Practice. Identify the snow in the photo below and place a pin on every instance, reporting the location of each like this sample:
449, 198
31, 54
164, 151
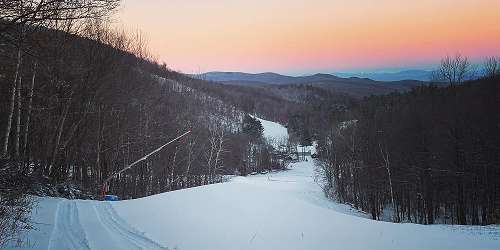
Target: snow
311, 149
347, 124
275, 133
82, 224
280, 210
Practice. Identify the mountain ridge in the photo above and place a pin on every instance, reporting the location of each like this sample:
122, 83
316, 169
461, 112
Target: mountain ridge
276, 78
354, 86
411, 74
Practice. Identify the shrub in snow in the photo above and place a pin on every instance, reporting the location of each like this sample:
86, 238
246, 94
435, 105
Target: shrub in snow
15, 205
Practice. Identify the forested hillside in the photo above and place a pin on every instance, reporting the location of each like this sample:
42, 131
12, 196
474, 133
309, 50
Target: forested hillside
85, 106
80, 101
427, 156
277, 102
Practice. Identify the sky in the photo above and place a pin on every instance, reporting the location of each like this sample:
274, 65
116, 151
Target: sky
310, 36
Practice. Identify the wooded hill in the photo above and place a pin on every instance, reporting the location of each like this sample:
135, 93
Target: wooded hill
431, 155
78, 107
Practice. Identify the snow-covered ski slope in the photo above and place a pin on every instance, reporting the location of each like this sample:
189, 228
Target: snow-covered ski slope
79, 224
274, 133
283, 210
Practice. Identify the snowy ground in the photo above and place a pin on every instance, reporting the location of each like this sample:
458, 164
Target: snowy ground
311, 149
275, 133
283, 210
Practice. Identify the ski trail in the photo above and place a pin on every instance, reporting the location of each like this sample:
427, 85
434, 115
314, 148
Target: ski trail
94, 225
68, 232
119, 228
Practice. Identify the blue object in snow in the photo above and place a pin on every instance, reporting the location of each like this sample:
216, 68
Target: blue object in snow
110, 197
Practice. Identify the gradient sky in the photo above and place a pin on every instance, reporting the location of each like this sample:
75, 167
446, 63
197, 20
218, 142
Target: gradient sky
309, 36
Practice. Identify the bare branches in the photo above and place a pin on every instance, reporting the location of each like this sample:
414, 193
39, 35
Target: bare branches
491, 66
453, 70
42, 12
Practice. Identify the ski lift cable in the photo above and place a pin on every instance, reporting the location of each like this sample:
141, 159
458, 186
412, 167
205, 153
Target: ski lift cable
144, 157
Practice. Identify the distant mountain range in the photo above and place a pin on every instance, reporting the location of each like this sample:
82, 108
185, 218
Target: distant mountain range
420, 75
354, 86
265, 78
274, 78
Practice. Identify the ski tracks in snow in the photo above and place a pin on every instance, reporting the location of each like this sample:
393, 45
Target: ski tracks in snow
67, 232
94, 225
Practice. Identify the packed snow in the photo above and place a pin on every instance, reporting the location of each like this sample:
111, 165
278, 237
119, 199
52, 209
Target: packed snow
310, 149
279, 210
275, 133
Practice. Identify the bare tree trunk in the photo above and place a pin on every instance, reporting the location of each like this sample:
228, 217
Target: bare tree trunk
73, 130
190, 149
11, 111
385, 156
212, 145
18, 118
60, 128
28, 113
173, 166
219, 150
99, 136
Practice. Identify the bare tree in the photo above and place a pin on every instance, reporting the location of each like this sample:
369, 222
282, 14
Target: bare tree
212, 144
191, 156
491, 66
28, 112
5, 149
18, 118
384, 152
220, 138
453, 70
16, 13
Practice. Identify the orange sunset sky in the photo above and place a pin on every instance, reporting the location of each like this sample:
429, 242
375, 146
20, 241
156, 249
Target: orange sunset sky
301, 37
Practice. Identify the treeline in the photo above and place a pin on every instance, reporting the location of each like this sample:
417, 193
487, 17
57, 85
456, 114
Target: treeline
277, 103
431, 155
306, 110
319, 109
250, 99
